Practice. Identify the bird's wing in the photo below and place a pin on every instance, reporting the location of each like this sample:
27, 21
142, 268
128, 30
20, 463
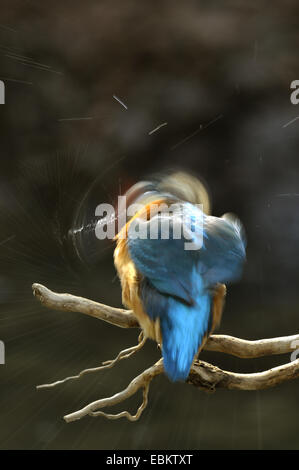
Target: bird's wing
168, 263
160, 256
223, 253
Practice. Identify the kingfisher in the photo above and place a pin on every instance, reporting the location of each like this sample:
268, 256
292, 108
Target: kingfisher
174, 260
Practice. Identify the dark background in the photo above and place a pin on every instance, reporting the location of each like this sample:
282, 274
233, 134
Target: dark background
219, 74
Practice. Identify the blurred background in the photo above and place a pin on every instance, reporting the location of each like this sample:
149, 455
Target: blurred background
219, 75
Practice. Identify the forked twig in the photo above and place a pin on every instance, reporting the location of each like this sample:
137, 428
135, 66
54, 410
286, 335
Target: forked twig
105, 365
141, 381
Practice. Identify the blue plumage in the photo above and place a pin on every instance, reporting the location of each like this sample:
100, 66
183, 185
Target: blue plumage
183, 325
177, 283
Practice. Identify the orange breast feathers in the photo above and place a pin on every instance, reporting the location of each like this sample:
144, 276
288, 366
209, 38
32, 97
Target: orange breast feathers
130, 277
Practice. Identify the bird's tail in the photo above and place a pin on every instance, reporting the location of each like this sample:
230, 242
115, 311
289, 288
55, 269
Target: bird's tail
183, 326
183, 330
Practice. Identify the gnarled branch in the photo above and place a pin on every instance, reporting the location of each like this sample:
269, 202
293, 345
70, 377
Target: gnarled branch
72, 303
105, 365
203, 375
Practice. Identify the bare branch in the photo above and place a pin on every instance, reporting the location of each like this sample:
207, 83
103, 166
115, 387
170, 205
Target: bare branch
209, 377
141, 381
71, 303
105, 365
251, 349
202, 375
127, 352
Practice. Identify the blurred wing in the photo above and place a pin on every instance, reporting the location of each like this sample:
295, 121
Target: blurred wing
163, 259
171, 267
223, 253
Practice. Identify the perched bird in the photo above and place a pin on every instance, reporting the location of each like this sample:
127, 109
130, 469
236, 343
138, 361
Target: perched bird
177, 290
